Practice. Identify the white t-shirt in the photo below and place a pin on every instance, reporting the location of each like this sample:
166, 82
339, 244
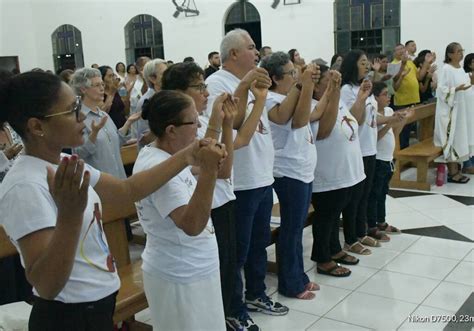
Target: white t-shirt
339, 157
169, 252
367, 131
224, 189
295, 154
386, 145
27, 206
253, 164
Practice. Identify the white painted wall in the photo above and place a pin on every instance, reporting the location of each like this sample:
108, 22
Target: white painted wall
26, 27
433, 24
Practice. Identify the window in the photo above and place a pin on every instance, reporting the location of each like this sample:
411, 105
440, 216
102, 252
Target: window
143, 37
67, 48
370, 25
244, 15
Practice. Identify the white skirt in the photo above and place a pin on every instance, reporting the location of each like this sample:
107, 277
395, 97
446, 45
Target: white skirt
185, 306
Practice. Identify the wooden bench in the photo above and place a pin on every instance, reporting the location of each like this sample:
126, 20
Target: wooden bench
129, 154
420, 154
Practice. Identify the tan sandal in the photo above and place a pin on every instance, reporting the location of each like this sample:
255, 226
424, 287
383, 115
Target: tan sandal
357, 248
369, 241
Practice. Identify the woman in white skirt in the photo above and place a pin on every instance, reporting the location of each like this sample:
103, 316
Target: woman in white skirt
180, 261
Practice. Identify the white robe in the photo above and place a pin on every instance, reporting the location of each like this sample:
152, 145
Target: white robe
454, 121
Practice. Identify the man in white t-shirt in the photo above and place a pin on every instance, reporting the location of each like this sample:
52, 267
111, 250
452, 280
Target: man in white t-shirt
253, 178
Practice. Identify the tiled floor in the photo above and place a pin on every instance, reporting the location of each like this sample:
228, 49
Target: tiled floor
410, 276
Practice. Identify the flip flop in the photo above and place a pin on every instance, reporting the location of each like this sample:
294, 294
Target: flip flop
330, 271
306, 295
311, 286
343, 260
461, 180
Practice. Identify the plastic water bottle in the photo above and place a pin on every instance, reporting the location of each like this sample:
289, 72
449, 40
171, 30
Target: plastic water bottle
440, 174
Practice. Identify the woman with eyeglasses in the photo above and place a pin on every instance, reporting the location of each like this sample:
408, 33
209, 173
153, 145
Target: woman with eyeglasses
188, 78
289, 109
180, 260
454, 128
338, 172
102, 139
51, 205
356, 94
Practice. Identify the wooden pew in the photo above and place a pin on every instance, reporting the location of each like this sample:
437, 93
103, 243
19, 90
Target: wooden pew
129, 154
419, 154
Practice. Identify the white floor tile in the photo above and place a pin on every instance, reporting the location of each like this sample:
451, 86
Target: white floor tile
393, 206
421, 265
308, 263
378, 259
465, 229
294, 320
463, 274
325, 300
358, 276
144, 316
454, 215
271, 282
399, 242
411, 220
430, 202
371, 311
329, 324
448, 296
426, 312
452, 249
470, 256
398, 286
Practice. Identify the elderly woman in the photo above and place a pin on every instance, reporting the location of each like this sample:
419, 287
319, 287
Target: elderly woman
454, 131
112, 102
180, 261
74, 288
102, 140
289, 109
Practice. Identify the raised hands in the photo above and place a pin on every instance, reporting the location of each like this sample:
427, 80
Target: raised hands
259, 90
463, 87
211, 156
335, 79
69, 186
230, 110
259, 76
12, 151
97, 127
134, 117
365, 90
310, 74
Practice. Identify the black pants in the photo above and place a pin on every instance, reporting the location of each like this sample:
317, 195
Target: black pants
14, 286
327, 210
360, 200
223, 219
349, 214
49, 315
376, 208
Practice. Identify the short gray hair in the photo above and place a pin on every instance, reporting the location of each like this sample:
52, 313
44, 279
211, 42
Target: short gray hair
232, 40
150, 69
274, 63
82, 78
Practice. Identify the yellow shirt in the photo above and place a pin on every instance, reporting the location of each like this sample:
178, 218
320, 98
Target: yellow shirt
409, 91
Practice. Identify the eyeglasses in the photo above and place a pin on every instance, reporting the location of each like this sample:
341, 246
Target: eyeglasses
292, 73
202, 88
187, 123
76, 108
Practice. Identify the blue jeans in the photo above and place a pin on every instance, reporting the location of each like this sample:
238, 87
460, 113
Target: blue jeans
253, 210
294, 197
469, 163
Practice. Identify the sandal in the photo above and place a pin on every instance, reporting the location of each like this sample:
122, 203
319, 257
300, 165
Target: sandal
369, 241
357, 248
378, 235
332, 271
306, 295
344, 259
460, 179
387, 228
311, 286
